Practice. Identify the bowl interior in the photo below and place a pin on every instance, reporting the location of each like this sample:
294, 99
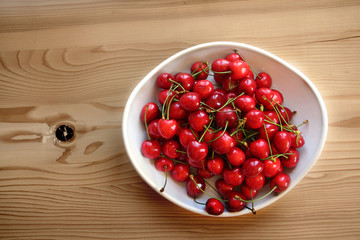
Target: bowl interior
299, 94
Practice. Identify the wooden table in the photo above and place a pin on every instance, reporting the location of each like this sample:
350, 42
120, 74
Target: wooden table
76, 62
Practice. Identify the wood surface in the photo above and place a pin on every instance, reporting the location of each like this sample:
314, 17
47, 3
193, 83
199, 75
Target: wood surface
77, 62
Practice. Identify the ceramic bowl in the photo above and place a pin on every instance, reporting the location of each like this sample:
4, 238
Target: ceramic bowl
299, 92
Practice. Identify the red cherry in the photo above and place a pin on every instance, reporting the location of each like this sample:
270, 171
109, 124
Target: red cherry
186, 80
198, 120
233, 176
290, 161
216, 100
286, 114
247, 85
226, 115
233, 57
270, 129
223, 143
196, 163
220, 65
190, 101
230, 95
248, 192
256, 182
229, 84
153, 129
199, 70
193, 188
245, 103
271, 116
214, 206
167, 128
252, 167
182, 156
152, 112
209, 136
265, 96
204, 173
238, 136
250, 75
234, 204
281, 181
180, 172
164, 164
263, 80
271, 167
296, 142
278, 97
260, 148
215, 165
163, 96
163, 80
197, 150
239, 69
176, 111
282, 141
219, 78
151, 149
254, 119
236, 157
204, 88
186, 135
170, 148
222, 187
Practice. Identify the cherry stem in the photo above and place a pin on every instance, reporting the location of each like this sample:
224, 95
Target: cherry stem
276, 111
167, 97
267, 138
146, 126
192, 178
250, 136
226, 124
168, 107
212, 187
251, 209
282, 117
206, 129
179, 151
258, 199
163, 188
230, 100
199, 202
273, 157
175, 160
197, 139
195, 73
304, 122
225, 72
252, 204
177, 84
237, 52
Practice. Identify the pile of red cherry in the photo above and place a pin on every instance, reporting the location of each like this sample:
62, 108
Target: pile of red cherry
235, 128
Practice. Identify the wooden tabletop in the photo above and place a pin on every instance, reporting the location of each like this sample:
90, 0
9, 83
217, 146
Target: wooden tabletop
76, 62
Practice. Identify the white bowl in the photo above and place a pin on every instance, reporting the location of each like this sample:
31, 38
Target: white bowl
299, 92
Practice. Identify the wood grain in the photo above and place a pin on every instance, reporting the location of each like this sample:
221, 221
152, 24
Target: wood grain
77, 61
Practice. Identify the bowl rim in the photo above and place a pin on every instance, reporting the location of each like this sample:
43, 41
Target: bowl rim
227, 44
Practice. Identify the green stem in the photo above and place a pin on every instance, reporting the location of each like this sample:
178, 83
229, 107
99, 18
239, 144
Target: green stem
236, 51
192, 178
255, 200
146, 126
206, 129
163, 188
267, 138
220, 134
